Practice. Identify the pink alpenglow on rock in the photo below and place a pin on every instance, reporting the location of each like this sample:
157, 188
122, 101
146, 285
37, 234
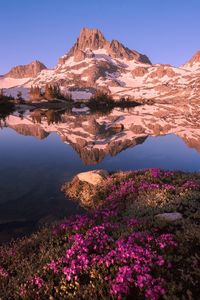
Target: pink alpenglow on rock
93, 177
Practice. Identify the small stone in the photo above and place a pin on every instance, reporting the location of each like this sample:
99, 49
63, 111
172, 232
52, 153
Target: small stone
169, 217
93, 177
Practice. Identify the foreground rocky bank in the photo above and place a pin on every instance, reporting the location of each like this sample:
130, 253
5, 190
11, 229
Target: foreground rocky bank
138, 240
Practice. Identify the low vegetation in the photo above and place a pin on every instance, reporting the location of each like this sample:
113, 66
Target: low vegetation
49, 92
101, 100
4, 98
6, 106
118, 249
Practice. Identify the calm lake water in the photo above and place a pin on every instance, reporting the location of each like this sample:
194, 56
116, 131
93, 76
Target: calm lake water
32, 171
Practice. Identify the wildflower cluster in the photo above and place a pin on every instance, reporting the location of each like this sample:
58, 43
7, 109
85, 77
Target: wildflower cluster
109, 247
121, 263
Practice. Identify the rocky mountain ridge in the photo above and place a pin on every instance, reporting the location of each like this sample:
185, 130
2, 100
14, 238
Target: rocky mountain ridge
93, 39
94, 63
26, 71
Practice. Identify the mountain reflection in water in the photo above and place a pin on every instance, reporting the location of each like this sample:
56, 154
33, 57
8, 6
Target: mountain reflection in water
96, 135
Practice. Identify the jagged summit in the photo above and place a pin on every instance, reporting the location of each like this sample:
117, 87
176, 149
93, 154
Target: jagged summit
90, 40
26, 71
118, 50
195, 58
194, 63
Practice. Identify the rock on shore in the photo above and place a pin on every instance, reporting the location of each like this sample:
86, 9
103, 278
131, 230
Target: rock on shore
85, 187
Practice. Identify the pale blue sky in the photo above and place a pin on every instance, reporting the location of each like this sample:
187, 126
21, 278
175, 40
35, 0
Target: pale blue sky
168, 31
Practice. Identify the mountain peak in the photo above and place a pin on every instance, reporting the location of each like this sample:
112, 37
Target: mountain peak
26, 71
195, 58
193, 63
92, 39
118, 50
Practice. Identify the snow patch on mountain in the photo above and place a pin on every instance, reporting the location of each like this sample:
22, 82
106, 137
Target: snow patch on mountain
6, 82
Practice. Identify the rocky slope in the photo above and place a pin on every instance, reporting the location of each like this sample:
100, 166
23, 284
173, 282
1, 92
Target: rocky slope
26, 71
96, 63
92, 39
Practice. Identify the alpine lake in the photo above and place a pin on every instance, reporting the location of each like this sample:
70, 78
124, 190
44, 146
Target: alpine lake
42, 148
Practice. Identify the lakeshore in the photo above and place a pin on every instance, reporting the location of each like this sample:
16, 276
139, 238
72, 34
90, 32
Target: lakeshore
138, 238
